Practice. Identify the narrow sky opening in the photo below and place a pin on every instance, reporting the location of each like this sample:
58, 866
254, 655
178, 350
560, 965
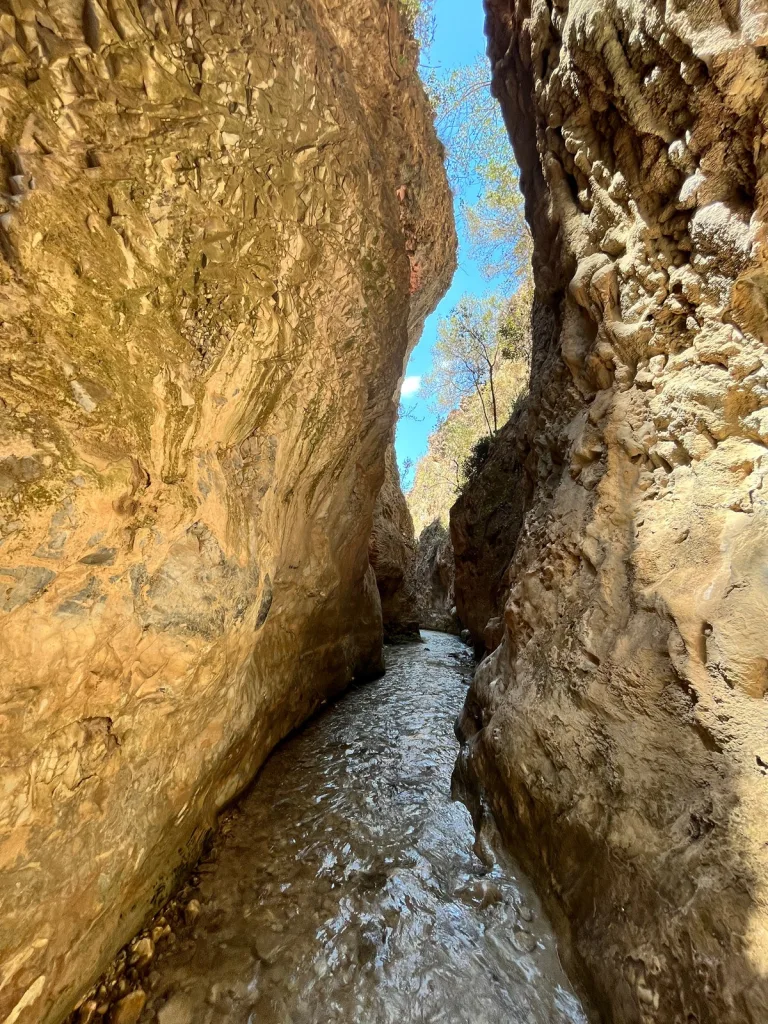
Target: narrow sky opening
459, 40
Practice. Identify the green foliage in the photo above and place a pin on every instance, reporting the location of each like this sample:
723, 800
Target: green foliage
515, 324
473, 341
500, 239
419, 18
451, 457
468, 121
478, 456
466, 355
482, 169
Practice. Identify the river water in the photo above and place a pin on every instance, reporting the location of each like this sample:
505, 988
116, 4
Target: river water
344, 888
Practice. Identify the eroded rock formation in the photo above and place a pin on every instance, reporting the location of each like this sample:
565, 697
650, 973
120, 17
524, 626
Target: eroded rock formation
392, 551
485, 523
621, 727
222, 226
433, 579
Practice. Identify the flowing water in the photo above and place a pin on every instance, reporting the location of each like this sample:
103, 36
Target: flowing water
344, 888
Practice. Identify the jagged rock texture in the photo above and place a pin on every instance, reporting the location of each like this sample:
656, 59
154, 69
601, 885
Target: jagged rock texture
485, 523
222, 227
432, 575
392, 551
620, 730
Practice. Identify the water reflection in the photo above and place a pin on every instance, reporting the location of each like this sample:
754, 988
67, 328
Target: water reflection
345, 888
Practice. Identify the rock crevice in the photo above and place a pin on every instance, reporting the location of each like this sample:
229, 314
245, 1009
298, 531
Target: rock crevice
619, 726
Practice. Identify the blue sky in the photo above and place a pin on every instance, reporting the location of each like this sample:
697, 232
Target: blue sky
459, 39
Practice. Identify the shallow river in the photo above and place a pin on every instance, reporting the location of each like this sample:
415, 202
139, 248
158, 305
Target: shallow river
344, 889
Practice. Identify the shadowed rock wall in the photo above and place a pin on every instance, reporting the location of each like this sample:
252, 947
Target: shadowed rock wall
222, 226
392, 550
432, 574
620, 729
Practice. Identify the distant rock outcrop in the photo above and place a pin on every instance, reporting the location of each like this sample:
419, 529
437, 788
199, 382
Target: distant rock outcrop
432, 576
392, 551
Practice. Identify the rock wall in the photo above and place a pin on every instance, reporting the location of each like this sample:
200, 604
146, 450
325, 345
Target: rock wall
392, 550
222, 226
485, 523
620, 728
432, 574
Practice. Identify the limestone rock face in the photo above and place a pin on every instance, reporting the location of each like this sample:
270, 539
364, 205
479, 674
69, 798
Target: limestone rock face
222, 226
392, 550
485, 523
621, 727
432, 573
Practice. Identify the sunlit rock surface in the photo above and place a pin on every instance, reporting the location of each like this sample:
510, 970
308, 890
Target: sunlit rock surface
620, 728
222, 226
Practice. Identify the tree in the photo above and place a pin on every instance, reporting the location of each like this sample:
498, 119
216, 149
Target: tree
442, 472
482, 169
468, 120
467, 355
515, 323
500, 239
420, 19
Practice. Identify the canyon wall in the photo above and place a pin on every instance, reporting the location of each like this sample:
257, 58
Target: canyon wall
620, 728
432, 574
221, 229
485, 523
392, 551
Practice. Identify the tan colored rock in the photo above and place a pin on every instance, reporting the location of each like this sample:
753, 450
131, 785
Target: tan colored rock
222, 226
128, 1010
142, 951
620, 728
433, 579
392, 551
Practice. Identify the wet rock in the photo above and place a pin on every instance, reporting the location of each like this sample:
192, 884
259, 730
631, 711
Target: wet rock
267, 944
88, 1012
524, 941
142, 951
192, 911
481, 892
179, 1009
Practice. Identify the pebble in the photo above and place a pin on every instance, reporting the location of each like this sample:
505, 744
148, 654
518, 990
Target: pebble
142, 951
178, 1010
128, 1010
192, 911
87, 1012
480, 892
524, 941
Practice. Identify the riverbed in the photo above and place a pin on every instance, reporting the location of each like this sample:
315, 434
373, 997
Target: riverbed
348, 887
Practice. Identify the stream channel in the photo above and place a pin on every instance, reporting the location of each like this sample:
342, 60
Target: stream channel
345, 887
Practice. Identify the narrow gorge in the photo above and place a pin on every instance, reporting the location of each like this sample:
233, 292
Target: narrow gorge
223, 226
